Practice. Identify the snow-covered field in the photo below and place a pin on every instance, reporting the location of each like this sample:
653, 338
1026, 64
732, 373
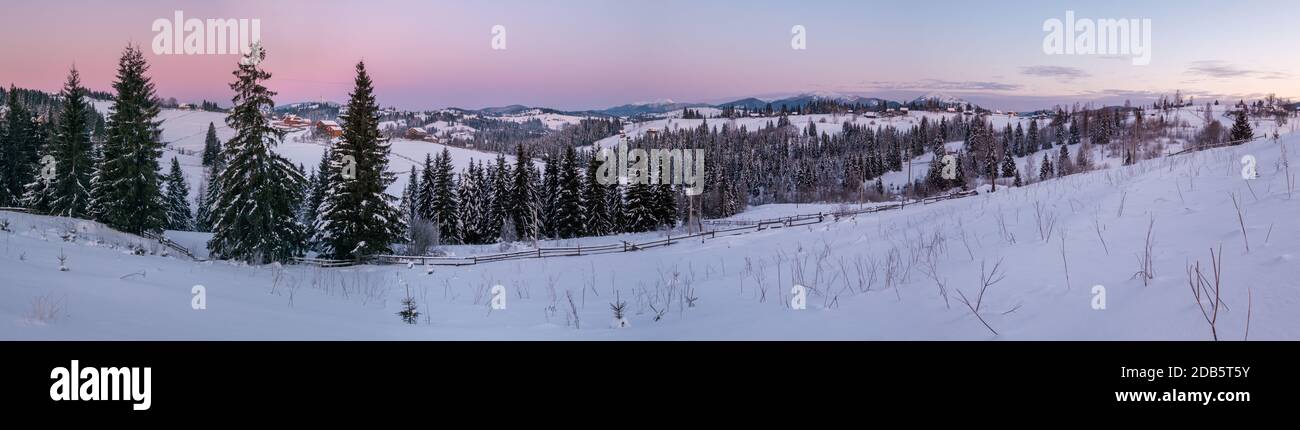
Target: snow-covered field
891, 275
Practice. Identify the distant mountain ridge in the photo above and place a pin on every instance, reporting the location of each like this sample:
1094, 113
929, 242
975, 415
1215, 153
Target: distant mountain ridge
792, 102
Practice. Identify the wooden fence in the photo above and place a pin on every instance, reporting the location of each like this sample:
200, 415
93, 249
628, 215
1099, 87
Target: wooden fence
1216, 145
736, 228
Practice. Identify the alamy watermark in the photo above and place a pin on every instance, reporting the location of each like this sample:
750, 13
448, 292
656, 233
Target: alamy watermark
652, 167
194, 36
1084, 36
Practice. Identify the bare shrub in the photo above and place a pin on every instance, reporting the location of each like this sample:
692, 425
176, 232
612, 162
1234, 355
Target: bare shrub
45, 308
1205, 289
1242, 221
1146, 269
987, 279
424, 236
1046, 220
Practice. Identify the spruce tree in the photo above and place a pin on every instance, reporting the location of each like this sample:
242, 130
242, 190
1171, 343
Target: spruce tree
305, 211
550, 190
1045, 170
19, 145
357, 216
472, 208
1241, 128
208, 192
1008, 166
638, 210
1074, 133
177, 199
569, 218
424, 191
126, 190
315, 199
69, 190
253, 217
1063, 164
211, 146
1059, 131
666, 204
1031, 138
409, 195
38, 193
502, 179
614, 207
523, 194
444, 199
1101, 133
1082, 159
1019, 144
596, 203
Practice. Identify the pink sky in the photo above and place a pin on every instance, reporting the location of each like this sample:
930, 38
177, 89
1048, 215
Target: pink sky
581, 54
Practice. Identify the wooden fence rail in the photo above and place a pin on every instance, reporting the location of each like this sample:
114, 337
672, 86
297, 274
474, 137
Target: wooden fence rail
741, 227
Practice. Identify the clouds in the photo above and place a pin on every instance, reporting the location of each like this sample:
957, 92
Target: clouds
939, 84
1215, 69
1060, 73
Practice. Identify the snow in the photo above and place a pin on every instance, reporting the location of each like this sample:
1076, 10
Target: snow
457, 131
825, 123
108, 293
553, 121
184, 133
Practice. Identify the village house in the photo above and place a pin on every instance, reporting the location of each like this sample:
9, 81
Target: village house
416, 133
329, 128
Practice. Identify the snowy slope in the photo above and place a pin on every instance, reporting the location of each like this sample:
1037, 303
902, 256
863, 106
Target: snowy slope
742, 284
184, 133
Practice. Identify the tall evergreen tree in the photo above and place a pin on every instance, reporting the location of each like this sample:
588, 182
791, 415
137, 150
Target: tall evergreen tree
1008, 166
666, 204
1059, 131
1101, 133
499, 207
444, 199
126, 190
1019, 144
596, 203
1241, 127
177, 200
568, 201
523, 194
38, 193
211, 146
209, 189
19, 145
550, 191
614, 207
69, 190
410, 194
424, 192
253, 217
638, 210
1063, 164
1032, 143
356, 216
472, 205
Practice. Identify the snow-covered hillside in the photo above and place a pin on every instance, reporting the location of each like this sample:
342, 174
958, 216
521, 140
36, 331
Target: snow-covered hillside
890, 275
184, 132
